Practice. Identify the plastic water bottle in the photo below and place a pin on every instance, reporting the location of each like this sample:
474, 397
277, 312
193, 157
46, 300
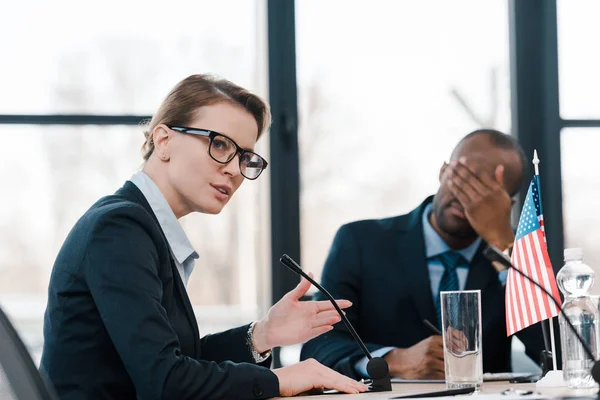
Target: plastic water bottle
575, 280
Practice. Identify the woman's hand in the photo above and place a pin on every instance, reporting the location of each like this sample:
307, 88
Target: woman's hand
292, 321
309, 375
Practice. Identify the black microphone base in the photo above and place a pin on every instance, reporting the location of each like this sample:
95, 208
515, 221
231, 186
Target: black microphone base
379, 371
381, 385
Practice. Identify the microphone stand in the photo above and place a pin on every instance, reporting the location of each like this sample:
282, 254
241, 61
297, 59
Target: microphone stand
494, 254
377, 367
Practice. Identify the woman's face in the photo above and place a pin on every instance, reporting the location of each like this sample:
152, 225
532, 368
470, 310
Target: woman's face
200, 183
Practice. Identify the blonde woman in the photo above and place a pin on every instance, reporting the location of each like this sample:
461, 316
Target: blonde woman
119, 323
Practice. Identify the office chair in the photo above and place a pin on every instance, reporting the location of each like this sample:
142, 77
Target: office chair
19, 377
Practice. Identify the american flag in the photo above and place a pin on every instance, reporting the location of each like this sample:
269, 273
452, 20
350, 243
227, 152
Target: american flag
526, 304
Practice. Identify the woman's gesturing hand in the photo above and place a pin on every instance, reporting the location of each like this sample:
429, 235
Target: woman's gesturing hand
291, 321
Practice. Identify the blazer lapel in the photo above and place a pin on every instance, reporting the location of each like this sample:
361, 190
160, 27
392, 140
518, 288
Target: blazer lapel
481, 272
189, 310
131, 191
411, 253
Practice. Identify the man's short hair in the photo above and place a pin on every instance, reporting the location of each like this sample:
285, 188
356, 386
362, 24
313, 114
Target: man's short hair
500, 140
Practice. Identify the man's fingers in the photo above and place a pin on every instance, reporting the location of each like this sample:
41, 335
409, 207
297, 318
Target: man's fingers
468, 180
326, 305
466, 188
480, 181
440, 370
487, 180
438, 353
436, 347
438, 339
458, 192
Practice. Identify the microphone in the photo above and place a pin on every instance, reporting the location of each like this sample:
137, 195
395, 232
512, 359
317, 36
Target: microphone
495, 255
377, 367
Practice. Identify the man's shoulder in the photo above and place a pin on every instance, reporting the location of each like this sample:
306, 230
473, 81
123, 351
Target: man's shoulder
382, 225
374, 224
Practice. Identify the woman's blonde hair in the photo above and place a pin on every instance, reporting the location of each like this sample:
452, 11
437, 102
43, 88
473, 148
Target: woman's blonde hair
195, 91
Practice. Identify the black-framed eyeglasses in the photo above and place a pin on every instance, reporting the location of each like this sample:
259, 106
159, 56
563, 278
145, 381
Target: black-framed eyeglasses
223, 149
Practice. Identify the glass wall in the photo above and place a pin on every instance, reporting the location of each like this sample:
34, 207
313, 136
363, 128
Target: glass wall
120, 58
579, 83
383, 99
386, 90
578, 59
581, 193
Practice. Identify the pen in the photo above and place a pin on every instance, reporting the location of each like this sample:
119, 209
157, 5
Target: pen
431, 326
443, 393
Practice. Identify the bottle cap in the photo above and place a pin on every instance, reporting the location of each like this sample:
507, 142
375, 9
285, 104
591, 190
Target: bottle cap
574, 254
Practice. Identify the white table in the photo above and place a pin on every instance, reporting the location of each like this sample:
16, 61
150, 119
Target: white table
491, 388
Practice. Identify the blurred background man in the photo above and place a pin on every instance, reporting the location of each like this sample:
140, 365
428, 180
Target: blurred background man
393, 269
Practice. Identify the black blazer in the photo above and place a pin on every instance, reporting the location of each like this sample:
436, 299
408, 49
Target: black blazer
119, 323
380, 265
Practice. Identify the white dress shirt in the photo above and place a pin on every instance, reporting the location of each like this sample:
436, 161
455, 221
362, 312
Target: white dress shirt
181, 249
434, 246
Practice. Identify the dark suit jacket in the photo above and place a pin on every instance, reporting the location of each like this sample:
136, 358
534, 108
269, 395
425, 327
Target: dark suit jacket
119, 323
380, 265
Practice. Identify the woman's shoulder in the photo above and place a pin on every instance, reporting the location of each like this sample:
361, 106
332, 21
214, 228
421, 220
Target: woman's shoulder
117, 215
115, 205
117, 208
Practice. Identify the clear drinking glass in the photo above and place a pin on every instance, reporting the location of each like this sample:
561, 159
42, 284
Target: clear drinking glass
461, 330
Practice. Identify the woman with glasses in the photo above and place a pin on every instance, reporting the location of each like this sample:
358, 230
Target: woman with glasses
119, 323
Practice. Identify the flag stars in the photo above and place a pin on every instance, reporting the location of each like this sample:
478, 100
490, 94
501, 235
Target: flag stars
530, 213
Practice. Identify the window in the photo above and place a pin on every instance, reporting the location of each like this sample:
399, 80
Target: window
383, 100
579, 62
120, 63
122, 57
581, 193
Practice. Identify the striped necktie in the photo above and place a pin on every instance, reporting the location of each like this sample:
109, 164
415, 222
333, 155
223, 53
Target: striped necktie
449, 282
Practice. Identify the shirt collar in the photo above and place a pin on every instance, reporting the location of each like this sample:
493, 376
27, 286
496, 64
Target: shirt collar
435, 245
180, 245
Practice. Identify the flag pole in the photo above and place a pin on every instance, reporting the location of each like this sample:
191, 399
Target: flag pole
536, 162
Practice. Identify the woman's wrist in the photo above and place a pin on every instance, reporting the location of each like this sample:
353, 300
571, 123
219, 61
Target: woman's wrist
260, 341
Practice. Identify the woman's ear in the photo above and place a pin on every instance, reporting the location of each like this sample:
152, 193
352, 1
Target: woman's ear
161, 135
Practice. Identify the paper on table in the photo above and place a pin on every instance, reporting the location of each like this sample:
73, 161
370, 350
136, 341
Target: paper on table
493, 396
402, 380
487, 377
504, 376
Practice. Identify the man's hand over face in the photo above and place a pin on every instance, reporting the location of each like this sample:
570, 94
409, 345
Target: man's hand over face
484, 199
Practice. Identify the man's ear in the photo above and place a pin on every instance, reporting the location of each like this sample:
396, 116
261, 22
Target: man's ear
444, 166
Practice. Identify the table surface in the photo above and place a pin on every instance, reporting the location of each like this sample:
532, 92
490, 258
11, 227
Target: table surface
399, 389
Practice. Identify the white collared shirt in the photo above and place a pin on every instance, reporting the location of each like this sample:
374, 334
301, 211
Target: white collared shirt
434, 245
181, 249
